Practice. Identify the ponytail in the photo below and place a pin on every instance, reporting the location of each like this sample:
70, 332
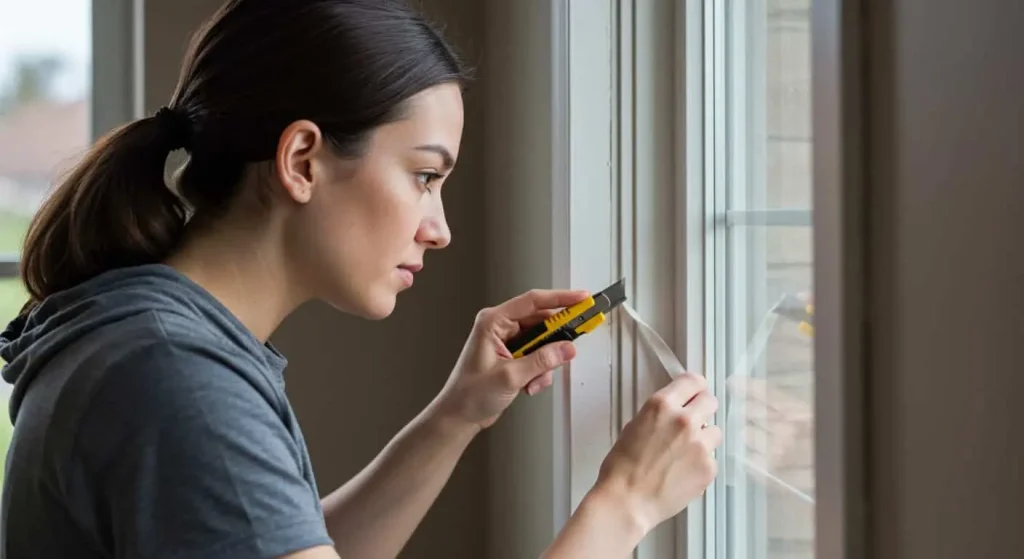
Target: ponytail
112, 210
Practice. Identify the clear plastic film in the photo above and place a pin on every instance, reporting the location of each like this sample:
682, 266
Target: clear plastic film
746, 450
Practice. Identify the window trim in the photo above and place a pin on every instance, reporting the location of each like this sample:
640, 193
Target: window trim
118, 55
693, 213
561, 456
782, 217
116, 95
588, 154
621, 137
840, 278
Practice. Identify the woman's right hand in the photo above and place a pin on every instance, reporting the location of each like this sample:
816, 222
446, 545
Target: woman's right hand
664, 458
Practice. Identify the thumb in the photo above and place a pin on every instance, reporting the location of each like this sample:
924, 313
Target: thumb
549, 357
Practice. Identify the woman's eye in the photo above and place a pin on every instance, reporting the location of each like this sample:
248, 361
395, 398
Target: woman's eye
425, 179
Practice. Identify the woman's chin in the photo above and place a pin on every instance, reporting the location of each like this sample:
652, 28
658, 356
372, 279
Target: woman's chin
381, 310
376, 306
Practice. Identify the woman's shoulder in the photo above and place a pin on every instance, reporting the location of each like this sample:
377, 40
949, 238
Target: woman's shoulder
163, 368
167, 390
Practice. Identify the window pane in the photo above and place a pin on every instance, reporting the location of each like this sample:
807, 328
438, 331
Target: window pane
45, 90
766, 504
770, 394
787, 100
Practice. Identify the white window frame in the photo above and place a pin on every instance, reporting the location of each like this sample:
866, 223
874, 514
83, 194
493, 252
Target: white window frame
116, 88
622, 111
620, 135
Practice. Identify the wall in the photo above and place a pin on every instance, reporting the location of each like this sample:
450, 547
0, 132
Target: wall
525, 494
355, 383
945, 186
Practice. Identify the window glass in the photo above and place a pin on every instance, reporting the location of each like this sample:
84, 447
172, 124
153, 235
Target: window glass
45, 89
760, 306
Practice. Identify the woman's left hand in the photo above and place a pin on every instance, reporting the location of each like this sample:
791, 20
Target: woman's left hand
486, 378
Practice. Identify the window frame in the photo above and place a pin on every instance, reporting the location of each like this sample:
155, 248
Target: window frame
618, 378
116, 79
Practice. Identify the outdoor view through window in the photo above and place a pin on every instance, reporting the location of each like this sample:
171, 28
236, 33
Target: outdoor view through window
767, 311
45, 87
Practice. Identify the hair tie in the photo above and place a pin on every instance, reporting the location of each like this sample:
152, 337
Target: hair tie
176, 126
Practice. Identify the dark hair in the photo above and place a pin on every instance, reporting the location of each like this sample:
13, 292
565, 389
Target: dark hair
254, 68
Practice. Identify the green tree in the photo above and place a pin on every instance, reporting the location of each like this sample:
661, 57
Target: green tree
32, 81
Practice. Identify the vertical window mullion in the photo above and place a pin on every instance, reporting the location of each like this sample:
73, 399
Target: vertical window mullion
696, 215
716, 273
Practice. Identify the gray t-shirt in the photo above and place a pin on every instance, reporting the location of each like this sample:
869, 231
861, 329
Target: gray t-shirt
149, 422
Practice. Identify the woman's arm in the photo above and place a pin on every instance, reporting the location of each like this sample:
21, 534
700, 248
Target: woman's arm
375, 513
600, 527
660, 462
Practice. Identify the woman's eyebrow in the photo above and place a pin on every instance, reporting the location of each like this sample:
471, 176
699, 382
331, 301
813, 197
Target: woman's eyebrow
446, 156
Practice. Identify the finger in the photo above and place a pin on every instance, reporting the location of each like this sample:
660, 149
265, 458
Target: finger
525, 305
540, 383
536, 318
711, 436
701, 407
683, 388
504, 327
545, 359
507, 328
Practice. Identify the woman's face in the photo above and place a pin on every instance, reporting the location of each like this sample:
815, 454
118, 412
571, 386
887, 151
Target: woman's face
365, 225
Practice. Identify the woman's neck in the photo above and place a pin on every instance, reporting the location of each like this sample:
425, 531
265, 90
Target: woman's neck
244, 267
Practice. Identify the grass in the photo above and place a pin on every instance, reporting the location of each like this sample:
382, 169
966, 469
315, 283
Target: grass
12, 231
12, 297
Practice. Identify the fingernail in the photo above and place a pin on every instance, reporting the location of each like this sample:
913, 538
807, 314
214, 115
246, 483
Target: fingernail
531, 390
567, 351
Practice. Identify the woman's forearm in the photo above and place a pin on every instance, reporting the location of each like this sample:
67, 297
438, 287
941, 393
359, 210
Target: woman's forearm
375, 513
602, 526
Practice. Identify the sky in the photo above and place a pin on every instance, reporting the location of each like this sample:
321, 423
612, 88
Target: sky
61, 27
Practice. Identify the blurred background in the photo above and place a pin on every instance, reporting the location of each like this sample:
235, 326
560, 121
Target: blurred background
45, 88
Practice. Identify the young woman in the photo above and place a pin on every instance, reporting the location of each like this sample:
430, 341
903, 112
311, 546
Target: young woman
149, 409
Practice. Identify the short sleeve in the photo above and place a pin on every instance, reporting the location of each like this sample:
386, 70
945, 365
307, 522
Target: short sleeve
184, 457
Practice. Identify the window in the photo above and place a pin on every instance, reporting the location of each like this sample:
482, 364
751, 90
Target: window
757, 265
45, 91
701, 155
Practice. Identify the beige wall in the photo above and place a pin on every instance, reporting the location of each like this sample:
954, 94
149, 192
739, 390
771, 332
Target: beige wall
519, 177
945, 196
355, 383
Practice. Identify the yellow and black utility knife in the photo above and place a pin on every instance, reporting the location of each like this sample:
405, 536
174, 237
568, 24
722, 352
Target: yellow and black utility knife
571, 322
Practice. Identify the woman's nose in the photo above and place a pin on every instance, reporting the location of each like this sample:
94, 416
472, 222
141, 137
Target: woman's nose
434, 231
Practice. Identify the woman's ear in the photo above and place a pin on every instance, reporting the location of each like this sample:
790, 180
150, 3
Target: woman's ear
298, 145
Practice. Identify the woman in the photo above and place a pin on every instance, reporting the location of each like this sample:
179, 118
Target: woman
150, 416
